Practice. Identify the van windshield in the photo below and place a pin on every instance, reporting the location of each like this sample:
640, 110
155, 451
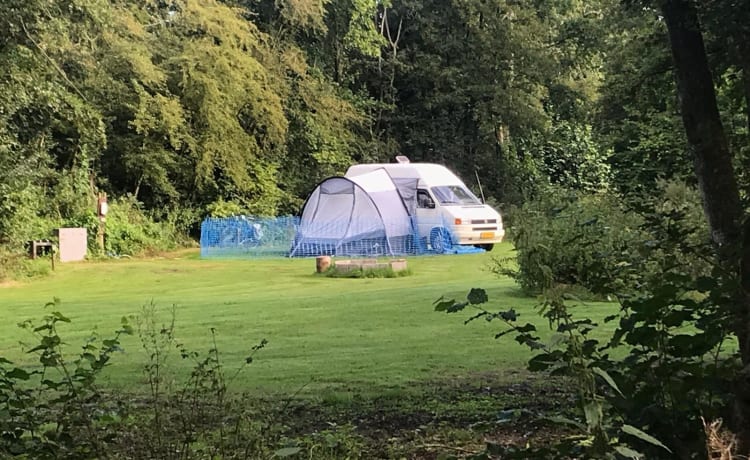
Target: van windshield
454, 194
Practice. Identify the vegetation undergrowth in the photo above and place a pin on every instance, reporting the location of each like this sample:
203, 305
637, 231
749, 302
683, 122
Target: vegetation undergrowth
129, 232
591, 243
646, 389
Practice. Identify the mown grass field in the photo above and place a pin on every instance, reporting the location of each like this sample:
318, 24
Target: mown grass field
325, 335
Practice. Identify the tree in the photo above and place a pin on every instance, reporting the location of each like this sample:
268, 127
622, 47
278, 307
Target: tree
716, 179
50, 133
637, 112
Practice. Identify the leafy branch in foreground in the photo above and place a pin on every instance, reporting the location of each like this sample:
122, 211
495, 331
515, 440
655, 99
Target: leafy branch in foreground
570, 351
56, 409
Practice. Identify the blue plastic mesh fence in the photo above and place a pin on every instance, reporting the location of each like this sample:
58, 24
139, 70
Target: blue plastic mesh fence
249, 236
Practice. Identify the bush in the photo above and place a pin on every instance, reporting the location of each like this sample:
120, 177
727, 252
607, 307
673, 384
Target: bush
671, 359
668, 364
604, 244
50, 411
570, 238
130, 231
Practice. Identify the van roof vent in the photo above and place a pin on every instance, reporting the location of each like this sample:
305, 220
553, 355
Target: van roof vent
402, 159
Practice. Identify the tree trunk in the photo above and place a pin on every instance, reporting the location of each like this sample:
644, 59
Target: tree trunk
716, 179
700, 116
745, 64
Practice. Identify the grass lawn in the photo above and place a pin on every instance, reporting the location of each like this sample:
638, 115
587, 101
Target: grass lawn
325, 335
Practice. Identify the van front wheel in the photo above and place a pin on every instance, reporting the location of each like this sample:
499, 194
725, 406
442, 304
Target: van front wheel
440, 240
487, 247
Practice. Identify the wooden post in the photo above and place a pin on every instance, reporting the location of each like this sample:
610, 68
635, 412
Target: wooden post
100, 236
101, 211
322, 263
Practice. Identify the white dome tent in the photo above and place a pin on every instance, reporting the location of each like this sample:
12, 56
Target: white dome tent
362, 215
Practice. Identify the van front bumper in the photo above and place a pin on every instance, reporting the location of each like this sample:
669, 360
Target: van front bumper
469, 236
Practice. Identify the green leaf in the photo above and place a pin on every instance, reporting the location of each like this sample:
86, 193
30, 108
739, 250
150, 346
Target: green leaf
509, 315
37, 348
633, 431
607, 378
456, 307
442, 305
528, 327
60, 317
42, 328
705, 284
685, 345
287, 452
541, 362
593, 413
18, 374
477, 296
126, 327
566, 421
675, 318
481, 314
628, 452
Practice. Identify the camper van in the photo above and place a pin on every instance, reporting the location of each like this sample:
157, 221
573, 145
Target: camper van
446, 212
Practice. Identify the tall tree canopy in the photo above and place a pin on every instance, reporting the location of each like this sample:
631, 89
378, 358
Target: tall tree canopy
187, 104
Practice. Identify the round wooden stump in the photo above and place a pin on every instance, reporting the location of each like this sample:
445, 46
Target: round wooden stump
322, 263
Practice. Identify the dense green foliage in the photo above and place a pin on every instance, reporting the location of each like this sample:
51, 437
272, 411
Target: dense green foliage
183, 106
563, 238
670, 359
680, 351
594, 240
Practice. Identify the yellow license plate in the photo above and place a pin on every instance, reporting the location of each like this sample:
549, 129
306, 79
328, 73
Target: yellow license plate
486, 235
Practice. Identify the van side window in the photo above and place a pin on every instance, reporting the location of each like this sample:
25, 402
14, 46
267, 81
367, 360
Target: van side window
424, 200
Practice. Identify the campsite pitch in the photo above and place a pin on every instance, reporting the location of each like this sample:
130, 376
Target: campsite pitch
324, 334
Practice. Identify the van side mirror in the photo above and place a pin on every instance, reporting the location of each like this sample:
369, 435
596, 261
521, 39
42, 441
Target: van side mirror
430, 204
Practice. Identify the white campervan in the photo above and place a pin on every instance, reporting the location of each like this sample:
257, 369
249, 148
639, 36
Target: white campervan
446, 211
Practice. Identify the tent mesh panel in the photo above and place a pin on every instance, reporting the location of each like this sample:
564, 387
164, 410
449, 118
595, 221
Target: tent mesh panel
250, 236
